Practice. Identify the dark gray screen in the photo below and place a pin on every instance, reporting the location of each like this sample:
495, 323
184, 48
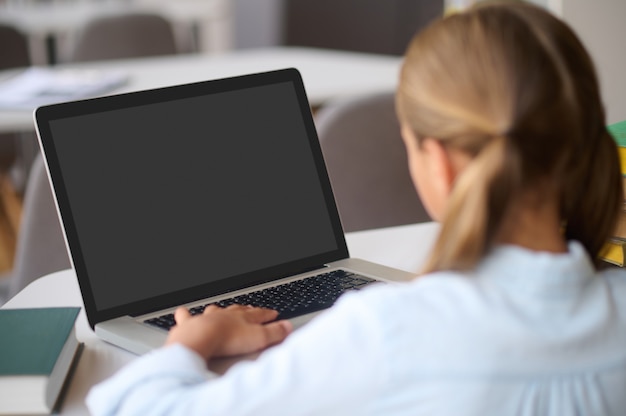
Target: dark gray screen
177, 194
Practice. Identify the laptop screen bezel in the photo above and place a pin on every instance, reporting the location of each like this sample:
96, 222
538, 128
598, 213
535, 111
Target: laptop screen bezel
46, 114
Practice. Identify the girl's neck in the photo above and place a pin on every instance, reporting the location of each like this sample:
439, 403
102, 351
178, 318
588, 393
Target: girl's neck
533, 224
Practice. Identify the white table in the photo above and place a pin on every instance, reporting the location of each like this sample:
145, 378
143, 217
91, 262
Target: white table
403, 247
46, 21
327, 74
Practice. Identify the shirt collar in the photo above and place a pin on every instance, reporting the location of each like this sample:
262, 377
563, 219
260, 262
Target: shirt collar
538, 272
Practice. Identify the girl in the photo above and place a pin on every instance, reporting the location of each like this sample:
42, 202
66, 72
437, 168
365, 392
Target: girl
505, 132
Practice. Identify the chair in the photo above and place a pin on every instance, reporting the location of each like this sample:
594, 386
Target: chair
17, 148
14, 47
124, 36
372, 26
15, 54
367, 163
40, 245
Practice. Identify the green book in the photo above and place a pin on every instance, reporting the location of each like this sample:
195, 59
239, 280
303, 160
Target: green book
38, 348
618, 131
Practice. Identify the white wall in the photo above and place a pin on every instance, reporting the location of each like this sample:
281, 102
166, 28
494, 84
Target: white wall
257, 23
601, 25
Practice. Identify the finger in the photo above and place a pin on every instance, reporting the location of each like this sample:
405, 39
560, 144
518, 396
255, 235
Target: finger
260, 315
276, 332
236, 306
253, 314
211, 308
181, 315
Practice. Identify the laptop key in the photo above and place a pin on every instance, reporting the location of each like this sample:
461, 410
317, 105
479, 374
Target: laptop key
292, 299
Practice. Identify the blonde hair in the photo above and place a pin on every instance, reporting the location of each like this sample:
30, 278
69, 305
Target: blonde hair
512, 86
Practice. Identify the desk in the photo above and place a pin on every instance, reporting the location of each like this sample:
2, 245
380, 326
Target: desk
327, 74
403, 247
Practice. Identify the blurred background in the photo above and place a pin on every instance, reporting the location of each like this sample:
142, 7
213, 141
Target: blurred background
214, 26
50, 33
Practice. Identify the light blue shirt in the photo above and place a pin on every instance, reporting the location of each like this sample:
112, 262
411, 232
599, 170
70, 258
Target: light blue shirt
526, 333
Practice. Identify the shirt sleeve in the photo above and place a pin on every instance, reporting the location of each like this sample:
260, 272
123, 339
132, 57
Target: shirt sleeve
329, 366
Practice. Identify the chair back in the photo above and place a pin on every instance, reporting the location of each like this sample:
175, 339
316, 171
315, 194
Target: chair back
14, 47
14, 146
367, 163
124, 36
40, 245
372, 26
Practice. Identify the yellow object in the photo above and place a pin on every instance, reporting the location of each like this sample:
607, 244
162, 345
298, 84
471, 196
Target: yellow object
622, 159
613, 252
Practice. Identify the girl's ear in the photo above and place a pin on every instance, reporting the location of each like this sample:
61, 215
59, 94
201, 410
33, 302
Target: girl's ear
441, 165
433, 171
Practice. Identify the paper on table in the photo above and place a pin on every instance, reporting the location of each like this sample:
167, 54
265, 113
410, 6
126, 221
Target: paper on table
39, 86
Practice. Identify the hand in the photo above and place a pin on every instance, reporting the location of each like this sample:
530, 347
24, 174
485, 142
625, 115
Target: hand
235, 330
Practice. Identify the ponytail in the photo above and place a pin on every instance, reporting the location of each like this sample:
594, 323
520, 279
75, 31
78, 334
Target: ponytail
594, 203
480, 199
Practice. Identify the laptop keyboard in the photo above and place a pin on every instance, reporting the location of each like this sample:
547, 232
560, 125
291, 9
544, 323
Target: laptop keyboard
291, 299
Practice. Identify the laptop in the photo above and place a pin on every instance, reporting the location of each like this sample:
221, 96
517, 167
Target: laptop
207, 193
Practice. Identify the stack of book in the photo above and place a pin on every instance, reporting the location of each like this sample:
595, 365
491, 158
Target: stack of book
614, 251
38, 351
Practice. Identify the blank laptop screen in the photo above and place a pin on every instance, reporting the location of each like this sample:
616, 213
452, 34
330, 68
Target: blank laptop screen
177, 194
